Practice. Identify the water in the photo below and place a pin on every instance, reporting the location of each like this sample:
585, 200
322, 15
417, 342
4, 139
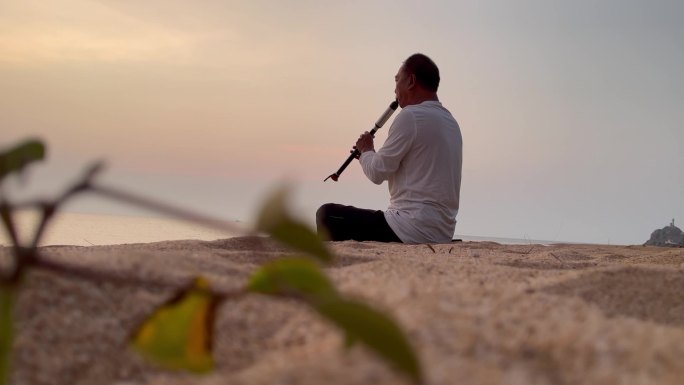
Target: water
505, 241
101, 229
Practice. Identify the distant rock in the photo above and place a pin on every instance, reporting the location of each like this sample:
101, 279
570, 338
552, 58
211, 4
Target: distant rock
669, 236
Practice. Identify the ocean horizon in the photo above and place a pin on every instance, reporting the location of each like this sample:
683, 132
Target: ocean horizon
510, 241
88, 229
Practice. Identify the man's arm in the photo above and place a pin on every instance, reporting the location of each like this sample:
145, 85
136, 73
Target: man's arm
379, 166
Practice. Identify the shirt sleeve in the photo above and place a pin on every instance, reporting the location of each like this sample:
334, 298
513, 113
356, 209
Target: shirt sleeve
379, 166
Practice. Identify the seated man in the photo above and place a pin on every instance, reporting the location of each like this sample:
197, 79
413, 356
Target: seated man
421, 160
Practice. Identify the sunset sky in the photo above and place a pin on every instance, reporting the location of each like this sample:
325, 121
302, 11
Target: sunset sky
572, 112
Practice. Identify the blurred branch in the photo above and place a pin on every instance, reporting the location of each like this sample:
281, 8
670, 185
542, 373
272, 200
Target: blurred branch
6, 212
50, 208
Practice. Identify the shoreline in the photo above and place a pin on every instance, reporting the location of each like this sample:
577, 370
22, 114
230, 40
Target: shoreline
89, 229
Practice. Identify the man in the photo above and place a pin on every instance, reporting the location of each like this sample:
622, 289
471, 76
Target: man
421, 160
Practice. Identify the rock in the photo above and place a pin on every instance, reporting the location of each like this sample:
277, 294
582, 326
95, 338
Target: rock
669, 236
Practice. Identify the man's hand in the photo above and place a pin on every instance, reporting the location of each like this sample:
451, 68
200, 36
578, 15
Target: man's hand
365, 143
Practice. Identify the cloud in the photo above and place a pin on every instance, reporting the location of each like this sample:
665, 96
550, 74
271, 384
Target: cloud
233, 42
36, 33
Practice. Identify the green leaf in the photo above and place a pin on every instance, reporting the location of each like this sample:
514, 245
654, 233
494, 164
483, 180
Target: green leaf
178, 334
6, 331
374, 329
299, 276
361, 324
274, 220
18, 157
349, 340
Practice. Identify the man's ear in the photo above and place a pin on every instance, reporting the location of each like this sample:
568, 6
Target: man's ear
411, 81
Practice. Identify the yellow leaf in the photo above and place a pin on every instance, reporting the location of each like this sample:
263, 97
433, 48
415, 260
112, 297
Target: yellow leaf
178, 334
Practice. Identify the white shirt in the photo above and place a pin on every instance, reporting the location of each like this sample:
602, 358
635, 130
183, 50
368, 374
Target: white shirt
421, 160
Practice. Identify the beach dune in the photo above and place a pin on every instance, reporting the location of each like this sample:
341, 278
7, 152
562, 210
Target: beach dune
476, 313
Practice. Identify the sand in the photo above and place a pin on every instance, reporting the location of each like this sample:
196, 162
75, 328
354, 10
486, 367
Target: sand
476, 313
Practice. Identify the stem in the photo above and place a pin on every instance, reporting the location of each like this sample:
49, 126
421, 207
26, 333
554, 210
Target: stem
48, 211
7, 297
29, 255
50, 208
6, 212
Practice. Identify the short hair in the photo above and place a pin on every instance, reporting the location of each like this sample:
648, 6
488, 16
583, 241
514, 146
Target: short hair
425, 70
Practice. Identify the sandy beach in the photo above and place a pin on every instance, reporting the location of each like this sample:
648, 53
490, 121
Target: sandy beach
476, 313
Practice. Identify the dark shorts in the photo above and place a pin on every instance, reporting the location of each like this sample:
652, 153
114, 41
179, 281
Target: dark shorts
340, 223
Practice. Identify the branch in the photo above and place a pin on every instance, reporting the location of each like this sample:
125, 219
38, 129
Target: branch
50, 208
6, 213
26, 256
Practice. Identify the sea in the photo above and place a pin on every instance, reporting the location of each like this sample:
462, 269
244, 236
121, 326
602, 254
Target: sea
82, 229
86, 229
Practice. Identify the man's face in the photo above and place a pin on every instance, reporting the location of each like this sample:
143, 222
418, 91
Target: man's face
402, 84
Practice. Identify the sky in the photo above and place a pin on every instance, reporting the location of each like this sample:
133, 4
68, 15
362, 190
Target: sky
570, 111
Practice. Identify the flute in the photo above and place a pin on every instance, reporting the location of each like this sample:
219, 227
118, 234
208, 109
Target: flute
355, 152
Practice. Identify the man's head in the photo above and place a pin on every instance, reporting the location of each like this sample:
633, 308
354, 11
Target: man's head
417, 80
